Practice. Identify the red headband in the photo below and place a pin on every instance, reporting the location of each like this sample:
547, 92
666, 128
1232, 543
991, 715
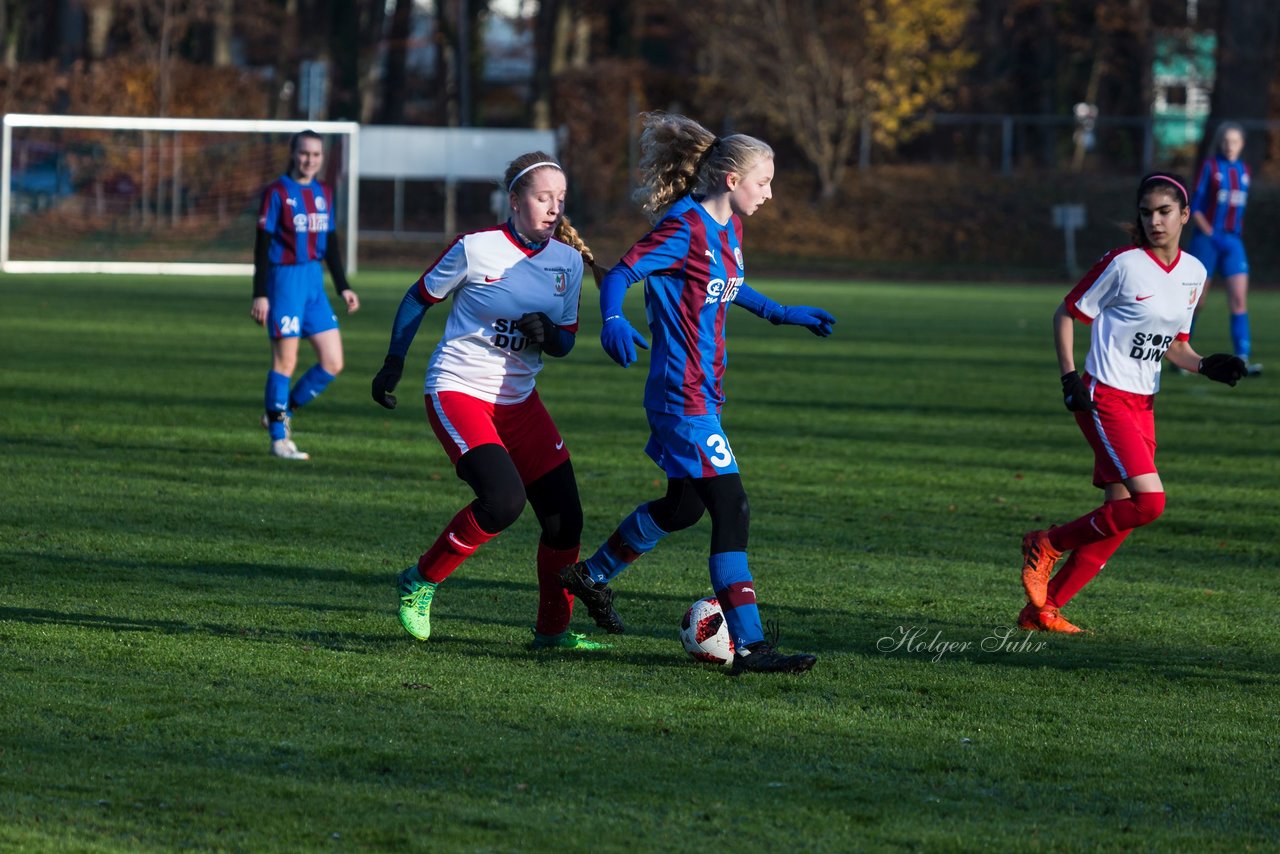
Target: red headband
1173, 181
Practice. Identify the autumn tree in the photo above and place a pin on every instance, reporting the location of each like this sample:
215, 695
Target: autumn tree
817, 69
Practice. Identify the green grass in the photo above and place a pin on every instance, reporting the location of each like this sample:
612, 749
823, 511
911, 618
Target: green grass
199, 649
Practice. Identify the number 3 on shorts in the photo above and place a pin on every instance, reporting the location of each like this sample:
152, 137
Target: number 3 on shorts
721, 455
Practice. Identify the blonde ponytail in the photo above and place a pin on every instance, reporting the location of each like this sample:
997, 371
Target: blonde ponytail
678, 156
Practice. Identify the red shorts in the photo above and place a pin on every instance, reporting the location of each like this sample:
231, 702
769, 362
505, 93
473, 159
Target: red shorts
1121, 431
525, 429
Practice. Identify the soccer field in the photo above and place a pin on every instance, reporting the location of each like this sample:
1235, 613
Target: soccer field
199, 646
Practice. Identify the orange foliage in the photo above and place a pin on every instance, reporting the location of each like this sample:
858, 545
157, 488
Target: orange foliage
126, 86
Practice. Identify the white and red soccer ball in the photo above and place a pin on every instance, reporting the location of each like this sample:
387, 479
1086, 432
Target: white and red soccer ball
704, 633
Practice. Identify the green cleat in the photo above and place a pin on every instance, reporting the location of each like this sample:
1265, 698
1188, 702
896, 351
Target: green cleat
415, 604
567, 640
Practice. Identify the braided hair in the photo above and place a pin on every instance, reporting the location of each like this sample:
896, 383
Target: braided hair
520, 173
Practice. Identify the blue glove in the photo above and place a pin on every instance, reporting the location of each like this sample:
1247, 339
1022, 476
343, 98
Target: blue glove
620, 339
816, 320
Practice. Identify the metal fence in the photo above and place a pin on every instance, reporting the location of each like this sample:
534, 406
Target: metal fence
1012, 143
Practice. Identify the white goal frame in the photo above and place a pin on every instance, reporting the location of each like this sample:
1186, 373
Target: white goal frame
351, 130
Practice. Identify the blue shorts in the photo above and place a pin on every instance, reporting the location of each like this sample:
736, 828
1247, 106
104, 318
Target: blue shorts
689, 445
1222, 254
299, 307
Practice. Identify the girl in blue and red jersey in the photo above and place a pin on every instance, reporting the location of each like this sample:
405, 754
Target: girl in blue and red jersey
696, 187
296, 233
515, 290
1138, 302
1217, 209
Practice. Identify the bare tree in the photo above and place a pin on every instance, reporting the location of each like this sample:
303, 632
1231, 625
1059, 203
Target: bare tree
355, 33
460, 59
155, 27
394, 78
286, 59
825, 67
547, 59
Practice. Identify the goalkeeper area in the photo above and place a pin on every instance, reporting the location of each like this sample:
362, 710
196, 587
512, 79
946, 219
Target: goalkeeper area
91, 194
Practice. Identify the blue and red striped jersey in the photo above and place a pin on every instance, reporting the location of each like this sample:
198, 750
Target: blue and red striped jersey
1222, 190
298, 217
693, 268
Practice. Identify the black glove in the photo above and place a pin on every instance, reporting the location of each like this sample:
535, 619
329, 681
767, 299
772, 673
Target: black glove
1075, 394
535, 326
385, 381
1223, 368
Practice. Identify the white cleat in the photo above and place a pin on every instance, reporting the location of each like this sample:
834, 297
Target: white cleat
286, 450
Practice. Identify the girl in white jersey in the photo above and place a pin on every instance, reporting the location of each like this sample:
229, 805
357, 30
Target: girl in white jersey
515, 290
1138, 302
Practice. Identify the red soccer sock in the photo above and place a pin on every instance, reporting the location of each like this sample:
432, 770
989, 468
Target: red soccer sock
555, 604
1110, 519
1080, 568
460, 538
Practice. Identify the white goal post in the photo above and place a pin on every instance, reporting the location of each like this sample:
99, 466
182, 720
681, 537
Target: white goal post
101, 185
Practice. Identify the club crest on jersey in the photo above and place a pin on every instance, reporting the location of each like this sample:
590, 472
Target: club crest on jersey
737, 256
559, 279
320, 203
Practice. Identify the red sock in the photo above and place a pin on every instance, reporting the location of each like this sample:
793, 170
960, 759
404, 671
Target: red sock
1080, 568
555, 604
460, 538
1110, 519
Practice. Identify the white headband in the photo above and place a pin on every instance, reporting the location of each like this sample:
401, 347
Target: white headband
528, 169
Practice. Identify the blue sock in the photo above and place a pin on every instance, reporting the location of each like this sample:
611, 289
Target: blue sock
313, 382
637, 535
1240, 342
276, 399
734, 587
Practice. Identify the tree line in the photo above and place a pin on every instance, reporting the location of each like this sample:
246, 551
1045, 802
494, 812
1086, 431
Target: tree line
814, 75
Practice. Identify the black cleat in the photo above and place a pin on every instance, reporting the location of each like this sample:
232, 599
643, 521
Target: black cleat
760, 657
597, 597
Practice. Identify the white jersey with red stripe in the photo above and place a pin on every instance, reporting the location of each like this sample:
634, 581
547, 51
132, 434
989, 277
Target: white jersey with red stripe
1136, 307
494, 280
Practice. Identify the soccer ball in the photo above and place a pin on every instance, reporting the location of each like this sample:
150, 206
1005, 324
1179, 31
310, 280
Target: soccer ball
704, 633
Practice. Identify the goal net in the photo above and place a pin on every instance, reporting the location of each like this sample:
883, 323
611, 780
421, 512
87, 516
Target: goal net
101, 194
